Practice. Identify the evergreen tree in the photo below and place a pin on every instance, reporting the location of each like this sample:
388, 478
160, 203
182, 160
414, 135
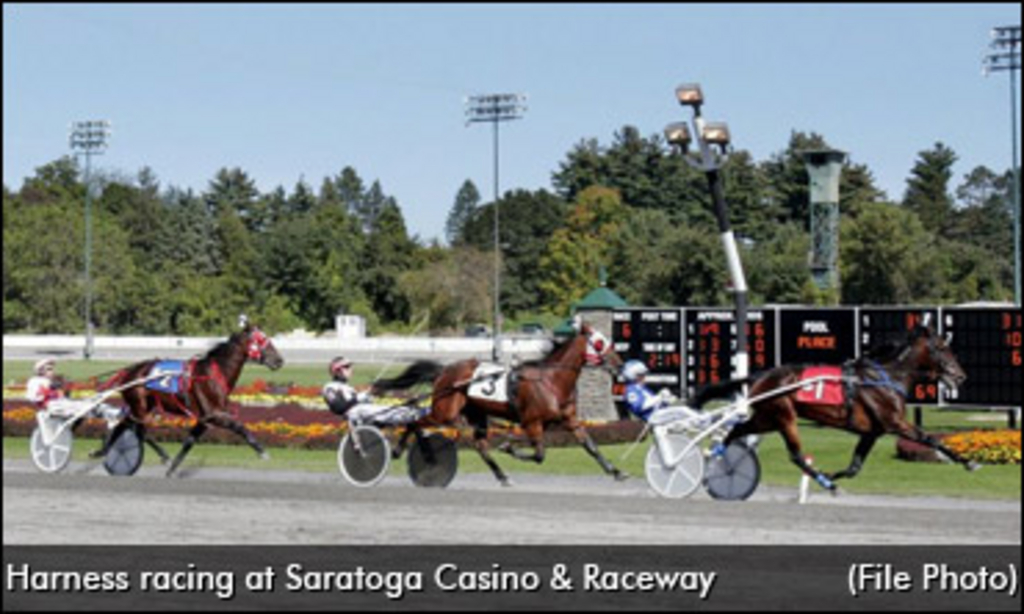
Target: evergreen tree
466, 202
389, 252
232, 189
928, 189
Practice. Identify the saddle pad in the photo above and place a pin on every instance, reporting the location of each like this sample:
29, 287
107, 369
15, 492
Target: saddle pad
490, 383
823, 392
172, 382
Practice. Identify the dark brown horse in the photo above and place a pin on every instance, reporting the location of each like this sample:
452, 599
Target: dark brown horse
875, 405
201, 392
543, 392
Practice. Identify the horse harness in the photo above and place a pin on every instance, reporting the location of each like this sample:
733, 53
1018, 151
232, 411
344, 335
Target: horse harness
853, 382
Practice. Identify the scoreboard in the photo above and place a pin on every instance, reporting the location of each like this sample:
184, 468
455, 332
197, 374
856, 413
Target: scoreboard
712, 343
817, 336
654, 337
687, 348
987, 342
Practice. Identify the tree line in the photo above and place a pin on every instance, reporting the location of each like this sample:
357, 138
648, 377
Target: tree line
173, 261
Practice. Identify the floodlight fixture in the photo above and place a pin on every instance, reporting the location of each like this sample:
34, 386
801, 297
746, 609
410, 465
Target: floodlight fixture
678, 135
690, 95
716, 133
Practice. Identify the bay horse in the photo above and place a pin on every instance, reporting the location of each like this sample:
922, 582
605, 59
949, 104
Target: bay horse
543, 392
202, 390
875, 391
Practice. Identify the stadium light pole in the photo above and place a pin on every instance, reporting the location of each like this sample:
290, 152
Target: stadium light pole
713, 141
1006, 43
494, 109
89, 138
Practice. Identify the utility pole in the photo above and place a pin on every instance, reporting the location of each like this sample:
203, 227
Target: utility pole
494, 109
89, 138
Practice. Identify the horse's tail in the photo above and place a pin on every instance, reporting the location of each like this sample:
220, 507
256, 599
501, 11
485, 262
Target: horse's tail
719, 391
419, 372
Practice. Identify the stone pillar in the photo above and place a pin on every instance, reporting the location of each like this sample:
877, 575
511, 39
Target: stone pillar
594, 388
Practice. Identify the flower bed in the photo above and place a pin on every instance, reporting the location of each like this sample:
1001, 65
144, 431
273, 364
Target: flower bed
989, 447
296, 426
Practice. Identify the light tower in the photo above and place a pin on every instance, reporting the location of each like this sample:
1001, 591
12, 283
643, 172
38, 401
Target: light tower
494, 109
1006, 42
713, 140
89, 138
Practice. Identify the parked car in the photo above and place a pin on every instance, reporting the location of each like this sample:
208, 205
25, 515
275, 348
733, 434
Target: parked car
477, 331
533, 329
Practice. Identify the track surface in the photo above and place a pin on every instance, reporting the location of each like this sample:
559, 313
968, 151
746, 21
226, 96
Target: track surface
225, 506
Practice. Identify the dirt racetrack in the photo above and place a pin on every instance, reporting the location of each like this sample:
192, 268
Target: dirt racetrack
224, 506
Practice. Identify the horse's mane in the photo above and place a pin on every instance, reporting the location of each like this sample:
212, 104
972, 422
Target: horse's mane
556, 352
224, 348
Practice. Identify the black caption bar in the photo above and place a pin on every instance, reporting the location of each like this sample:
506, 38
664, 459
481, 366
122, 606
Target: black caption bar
560, 578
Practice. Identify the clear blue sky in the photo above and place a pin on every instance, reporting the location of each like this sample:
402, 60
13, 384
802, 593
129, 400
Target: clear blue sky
293, 91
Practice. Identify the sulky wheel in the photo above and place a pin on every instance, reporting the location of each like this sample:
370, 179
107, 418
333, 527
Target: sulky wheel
675, 467
50, 444
125, 455
364, 456
433, 461
733, 475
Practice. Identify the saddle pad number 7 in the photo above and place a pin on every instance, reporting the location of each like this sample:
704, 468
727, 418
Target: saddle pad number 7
825, 392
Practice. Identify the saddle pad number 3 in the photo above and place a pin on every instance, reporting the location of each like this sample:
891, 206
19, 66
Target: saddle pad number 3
490, 384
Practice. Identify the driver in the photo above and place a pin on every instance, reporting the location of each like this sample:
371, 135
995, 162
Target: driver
358, 407
43, 387
639, 398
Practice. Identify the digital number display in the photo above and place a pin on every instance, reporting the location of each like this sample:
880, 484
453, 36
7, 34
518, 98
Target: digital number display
817, 336
881, 328
711, 345
654, 337
987, 343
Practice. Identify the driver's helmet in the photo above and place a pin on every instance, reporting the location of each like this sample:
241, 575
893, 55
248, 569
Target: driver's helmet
339, 367
633, 370
43, 366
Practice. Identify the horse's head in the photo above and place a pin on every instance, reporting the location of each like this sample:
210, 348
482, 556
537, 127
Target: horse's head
600, 351
259, 348
934, 356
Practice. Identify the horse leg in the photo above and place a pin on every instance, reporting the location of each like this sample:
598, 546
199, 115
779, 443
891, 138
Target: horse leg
583, 438
791, 436
225, 421
403, 441
193, 436
909, 432
535, 432
479, 422
115, 433
860, 454
149, 441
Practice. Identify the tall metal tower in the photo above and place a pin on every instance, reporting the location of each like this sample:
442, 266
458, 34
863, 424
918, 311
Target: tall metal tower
494, 109
1006, 43
89, 138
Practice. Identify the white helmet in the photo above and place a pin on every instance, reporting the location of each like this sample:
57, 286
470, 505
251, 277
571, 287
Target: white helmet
634, 370
40, 367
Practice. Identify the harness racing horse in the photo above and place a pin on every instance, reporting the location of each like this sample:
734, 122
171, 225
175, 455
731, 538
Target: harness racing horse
544, 392
874, 405
201, 392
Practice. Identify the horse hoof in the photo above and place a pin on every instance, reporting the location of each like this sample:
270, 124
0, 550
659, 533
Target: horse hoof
97, 454
507, 483
621, 476
973, 466
264, 456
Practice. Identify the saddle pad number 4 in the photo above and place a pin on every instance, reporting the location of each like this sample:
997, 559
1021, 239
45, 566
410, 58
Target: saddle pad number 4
172, 372
490, 384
